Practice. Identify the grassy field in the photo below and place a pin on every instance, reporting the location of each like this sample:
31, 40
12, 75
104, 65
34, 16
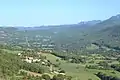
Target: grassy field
70, 68
10, 51
80, 73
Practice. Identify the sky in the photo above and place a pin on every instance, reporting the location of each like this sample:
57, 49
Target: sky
54, 12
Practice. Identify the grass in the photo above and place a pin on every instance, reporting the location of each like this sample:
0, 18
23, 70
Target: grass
51, 57
108, 72
92, 47
35, 74
115, 62
10, 51
70, 68
81, 73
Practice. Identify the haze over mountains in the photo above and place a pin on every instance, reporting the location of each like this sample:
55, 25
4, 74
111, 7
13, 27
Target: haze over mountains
71, 36
114, 20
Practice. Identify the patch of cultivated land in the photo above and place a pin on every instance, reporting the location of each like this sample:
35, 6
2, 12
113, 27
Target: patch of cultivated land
31, 73
80, 73
10, 51
70, 68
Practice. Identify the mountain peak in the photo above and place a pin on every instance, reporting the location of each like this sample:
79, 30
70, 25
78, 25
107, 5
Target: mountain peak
93, 22
117, 17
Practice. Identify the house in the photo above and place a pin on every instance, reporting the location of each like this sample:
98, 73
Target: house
62, 73
56, 72
43, 63
36, 60
38, 53
19, 54
30, 58
45, 60
29, 61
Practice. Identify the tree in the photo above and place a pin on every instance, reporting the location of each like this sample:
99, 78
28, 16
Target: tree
57, 60
118, 59
68, 77
104, 64
62, 71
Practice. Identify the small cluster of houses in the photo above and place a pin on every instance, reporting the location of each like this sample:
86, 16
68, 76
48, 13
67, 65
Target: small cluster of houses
32, 59
43, 62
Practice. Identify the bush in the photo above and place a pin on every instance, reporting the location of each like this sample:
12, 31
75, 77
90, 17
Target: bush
58, 77
103, 76
56, 65
68, 77
57, 60
92, 66
46, 77
23, 73
91, 61
104, 64
62, 71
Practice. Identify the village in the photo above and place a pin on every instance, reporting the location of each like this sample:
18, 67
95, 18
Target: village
42, 60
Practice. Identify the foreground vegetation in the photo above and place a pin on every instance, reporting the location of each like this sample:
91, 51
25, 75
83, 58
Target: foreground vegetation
82, 67
13, 68
79, 71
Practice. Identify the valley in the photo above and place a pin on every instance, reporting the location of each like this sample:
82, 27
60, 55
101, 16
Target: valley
84, 51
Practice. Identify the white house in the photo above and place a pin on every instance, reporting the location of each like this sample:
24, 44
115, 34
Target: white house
29, 61
19, 54
36, 60
43, 63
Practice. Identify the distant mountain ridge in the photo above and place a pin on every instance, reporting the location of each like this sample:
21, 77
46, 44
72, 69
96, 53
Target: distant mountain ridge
117, 17
112, 21
71, 36
93, 22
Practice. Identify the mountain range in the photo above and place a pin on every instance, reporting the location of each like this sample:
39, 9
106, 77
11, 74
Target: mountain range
78, 36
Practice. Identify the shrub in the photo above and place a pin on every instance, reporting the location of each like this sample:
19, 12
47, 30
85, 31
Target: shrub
62, 71
58, 77
46, 77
